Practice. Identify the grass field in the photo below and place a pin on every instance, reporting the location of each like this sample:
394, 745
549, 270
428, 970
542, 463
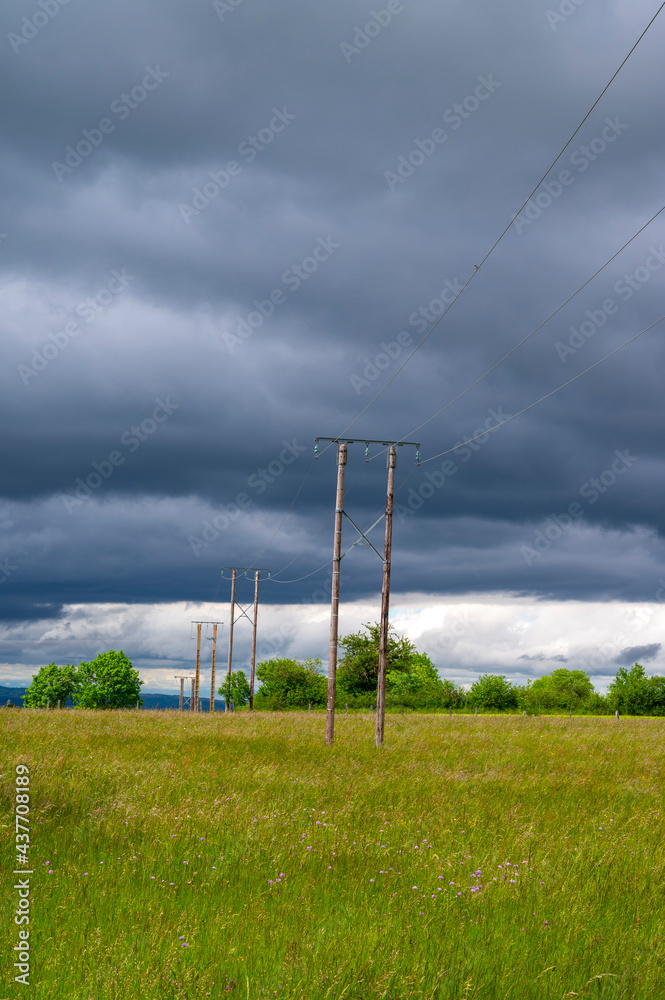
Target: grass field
497, 858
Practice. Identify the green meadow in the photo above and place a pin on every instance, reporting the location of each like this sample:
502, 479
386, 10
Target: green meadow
488, 858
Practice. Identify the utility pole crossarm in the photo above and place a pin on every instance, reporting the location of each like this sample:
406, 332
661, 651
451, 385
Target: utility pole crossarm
384, 444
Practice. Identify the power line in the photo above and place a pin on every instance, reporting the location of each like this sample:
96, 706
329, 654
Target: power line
281, 523
539, 327
475, 271
503, 233
547, 396
313, 539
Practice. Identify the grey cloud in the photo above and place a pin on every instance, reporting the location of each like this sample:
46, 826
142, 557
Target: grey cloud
194, 284
633, 654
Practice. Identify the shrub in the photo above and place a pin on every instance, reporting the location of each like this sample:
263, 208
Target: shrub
493, 693
289, 683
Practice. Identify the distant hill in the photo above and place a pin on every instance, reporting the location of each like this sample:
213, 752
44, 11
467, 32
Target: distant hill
151, 702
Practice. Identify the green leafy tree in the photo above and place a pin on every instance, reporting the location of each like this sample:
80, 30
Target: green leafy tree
412, 679
289, 683
358, 671
493, 693
559, 691
657, 692
108, 681
51, 685
631, 691
452, 695
235, 690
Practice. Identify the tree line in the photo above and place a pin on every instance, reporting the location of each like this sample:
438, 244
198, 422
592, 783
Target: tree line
412, 682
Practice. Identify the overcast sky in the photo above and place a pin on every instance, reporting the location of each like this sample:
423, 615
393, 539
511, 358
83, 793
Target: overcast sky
224, 227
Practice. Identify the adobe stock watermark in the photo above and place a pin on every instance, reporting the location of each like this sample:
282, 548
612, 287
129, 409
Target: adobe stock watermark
380, 362
635, 620
122, 107
436, 480
420, 319
625, 288
131, 440
565, 10
31, 26
22, 885
292, 278
364, 35
258, 482
7, 569
89, 310
456, 625
591, 491
581, 159
454, 116
224, 7
248, 149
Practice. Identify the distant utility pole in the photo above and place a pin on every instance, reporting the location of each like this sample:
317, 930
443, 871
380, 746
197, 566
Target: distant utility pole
385, 601
243, 613
195, 707
212, 671
182, 678
338, 555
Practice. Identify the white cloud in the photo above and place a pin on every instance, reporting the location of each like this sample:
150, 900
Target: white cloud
465, 636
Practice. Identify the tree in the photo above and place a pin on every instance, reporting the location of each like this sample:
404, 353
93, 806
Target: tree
657, 694
108, 681
411, 677
289, 683
561, 690
51, 685
235, 690
358, 671
633, 693
493, 693
452, 695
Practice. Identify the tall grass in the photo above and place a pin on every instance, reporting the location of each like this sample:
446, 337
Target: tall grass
489, 858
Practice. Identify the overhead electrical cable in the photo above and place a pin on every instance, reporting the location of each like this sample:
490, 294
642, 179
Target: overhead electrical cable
461, 444
465, 285
503, 233
539, 327
313, 539
281, 523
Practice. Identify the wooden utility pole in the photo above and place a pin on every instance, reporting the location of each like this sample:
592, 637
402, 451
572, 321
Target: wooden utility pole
338, 555
227, 707
212, 673
257, 573
385, 601
182, 678
334, 604
243, 612
195, 707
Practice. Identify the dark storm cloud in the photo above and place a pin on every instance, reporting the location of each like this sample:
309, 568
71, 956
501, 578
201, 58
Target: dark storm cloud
173, 323
633, 654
